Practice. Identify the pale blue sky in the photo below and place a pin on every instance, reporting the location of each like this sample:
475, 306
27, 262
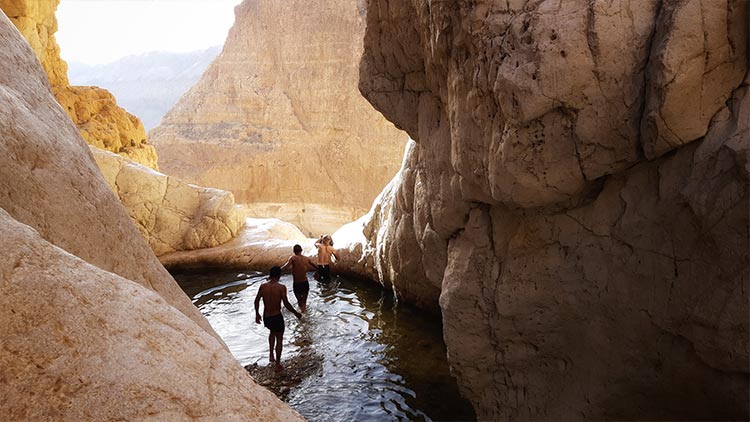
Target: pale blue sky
101, 31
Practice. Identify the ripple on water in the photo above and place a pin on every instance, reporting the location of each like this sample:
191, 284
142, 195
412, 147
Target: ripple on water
361, 356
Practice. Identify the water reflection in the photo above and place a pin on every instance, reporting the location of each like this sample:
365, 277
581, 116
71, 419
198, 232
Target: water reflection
362, 357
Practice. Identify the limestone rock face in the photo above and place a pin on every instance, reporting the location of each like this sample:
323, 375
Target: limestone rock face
278, 121
94, 110
171, 215
577, 198
93, 328
83, 344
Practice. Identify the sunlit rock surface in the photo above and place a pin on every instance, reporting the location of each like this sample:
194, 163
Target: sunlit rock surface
171, 215
102, 123
50, 181
577, 198
260, 244
277, 118
93, 327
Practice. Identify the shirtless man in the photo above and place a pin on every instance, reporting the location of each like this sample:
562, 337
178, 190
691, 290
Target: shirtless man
300, 265
325, 250
273, 293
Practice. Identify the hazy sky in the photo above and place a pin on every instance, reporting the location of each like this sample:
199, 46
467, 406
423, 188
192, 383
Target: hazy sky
101, 31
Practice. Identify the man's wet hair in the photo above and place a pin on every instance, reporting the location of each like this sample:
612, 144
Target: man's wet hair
276, 272
297, 249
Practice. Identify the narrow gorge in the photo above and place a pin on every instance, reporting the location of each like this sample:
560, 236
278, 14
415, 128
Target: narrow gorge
540, 210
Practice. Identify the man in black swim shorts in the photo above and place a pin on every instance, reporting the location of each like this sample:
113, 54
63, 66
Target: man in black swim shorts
300, 264
274, 323
273, 293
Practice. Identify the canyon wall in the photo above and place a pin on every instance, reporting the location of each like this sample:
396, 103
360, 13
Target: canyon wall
93, 327
277, 118
170, 214
94, 110
576, 201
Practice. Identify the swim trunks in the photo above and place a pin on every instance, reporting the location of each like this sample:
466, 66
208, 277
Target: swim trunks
275, 323
325, 272
301, 289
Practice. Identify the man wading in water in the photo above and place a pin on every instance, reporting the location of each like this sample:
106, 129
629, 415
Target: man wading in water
300, 264
325, 250
273, 293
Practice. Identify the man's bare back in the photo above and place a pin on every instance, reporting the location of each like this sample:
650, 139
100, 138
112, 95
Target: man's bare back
300, 265
324, 253
272, 293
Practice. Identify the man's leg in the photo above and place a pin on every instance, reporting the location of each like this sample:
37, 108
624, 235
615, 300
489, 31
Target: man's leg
271, 341
279, 344
302, 299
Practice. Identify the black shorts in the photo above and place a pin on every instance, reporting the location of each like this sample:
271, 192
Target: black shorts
324, 271
301, 289
275, 323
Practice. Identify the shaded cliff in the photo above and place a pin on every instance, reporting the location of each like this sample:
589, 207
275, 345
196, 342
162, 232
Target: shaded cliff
576, 201
92, 326
278, 121
94, 110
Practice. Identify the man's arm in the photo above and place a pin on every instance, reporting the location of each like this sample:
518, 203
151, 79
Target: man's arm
312, 264
289, 305
257, 304
335, 253
288, 263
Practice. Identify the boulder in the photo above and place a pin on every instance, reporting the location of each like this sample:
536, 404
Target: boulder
171, 215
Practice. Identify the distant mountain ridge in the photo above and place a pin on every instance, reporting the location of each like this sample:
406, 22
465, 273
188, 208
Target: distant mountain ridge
147, 85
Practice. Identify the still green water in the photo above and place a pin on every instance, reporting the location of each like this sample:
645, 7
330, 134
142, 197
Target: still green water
374, 359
